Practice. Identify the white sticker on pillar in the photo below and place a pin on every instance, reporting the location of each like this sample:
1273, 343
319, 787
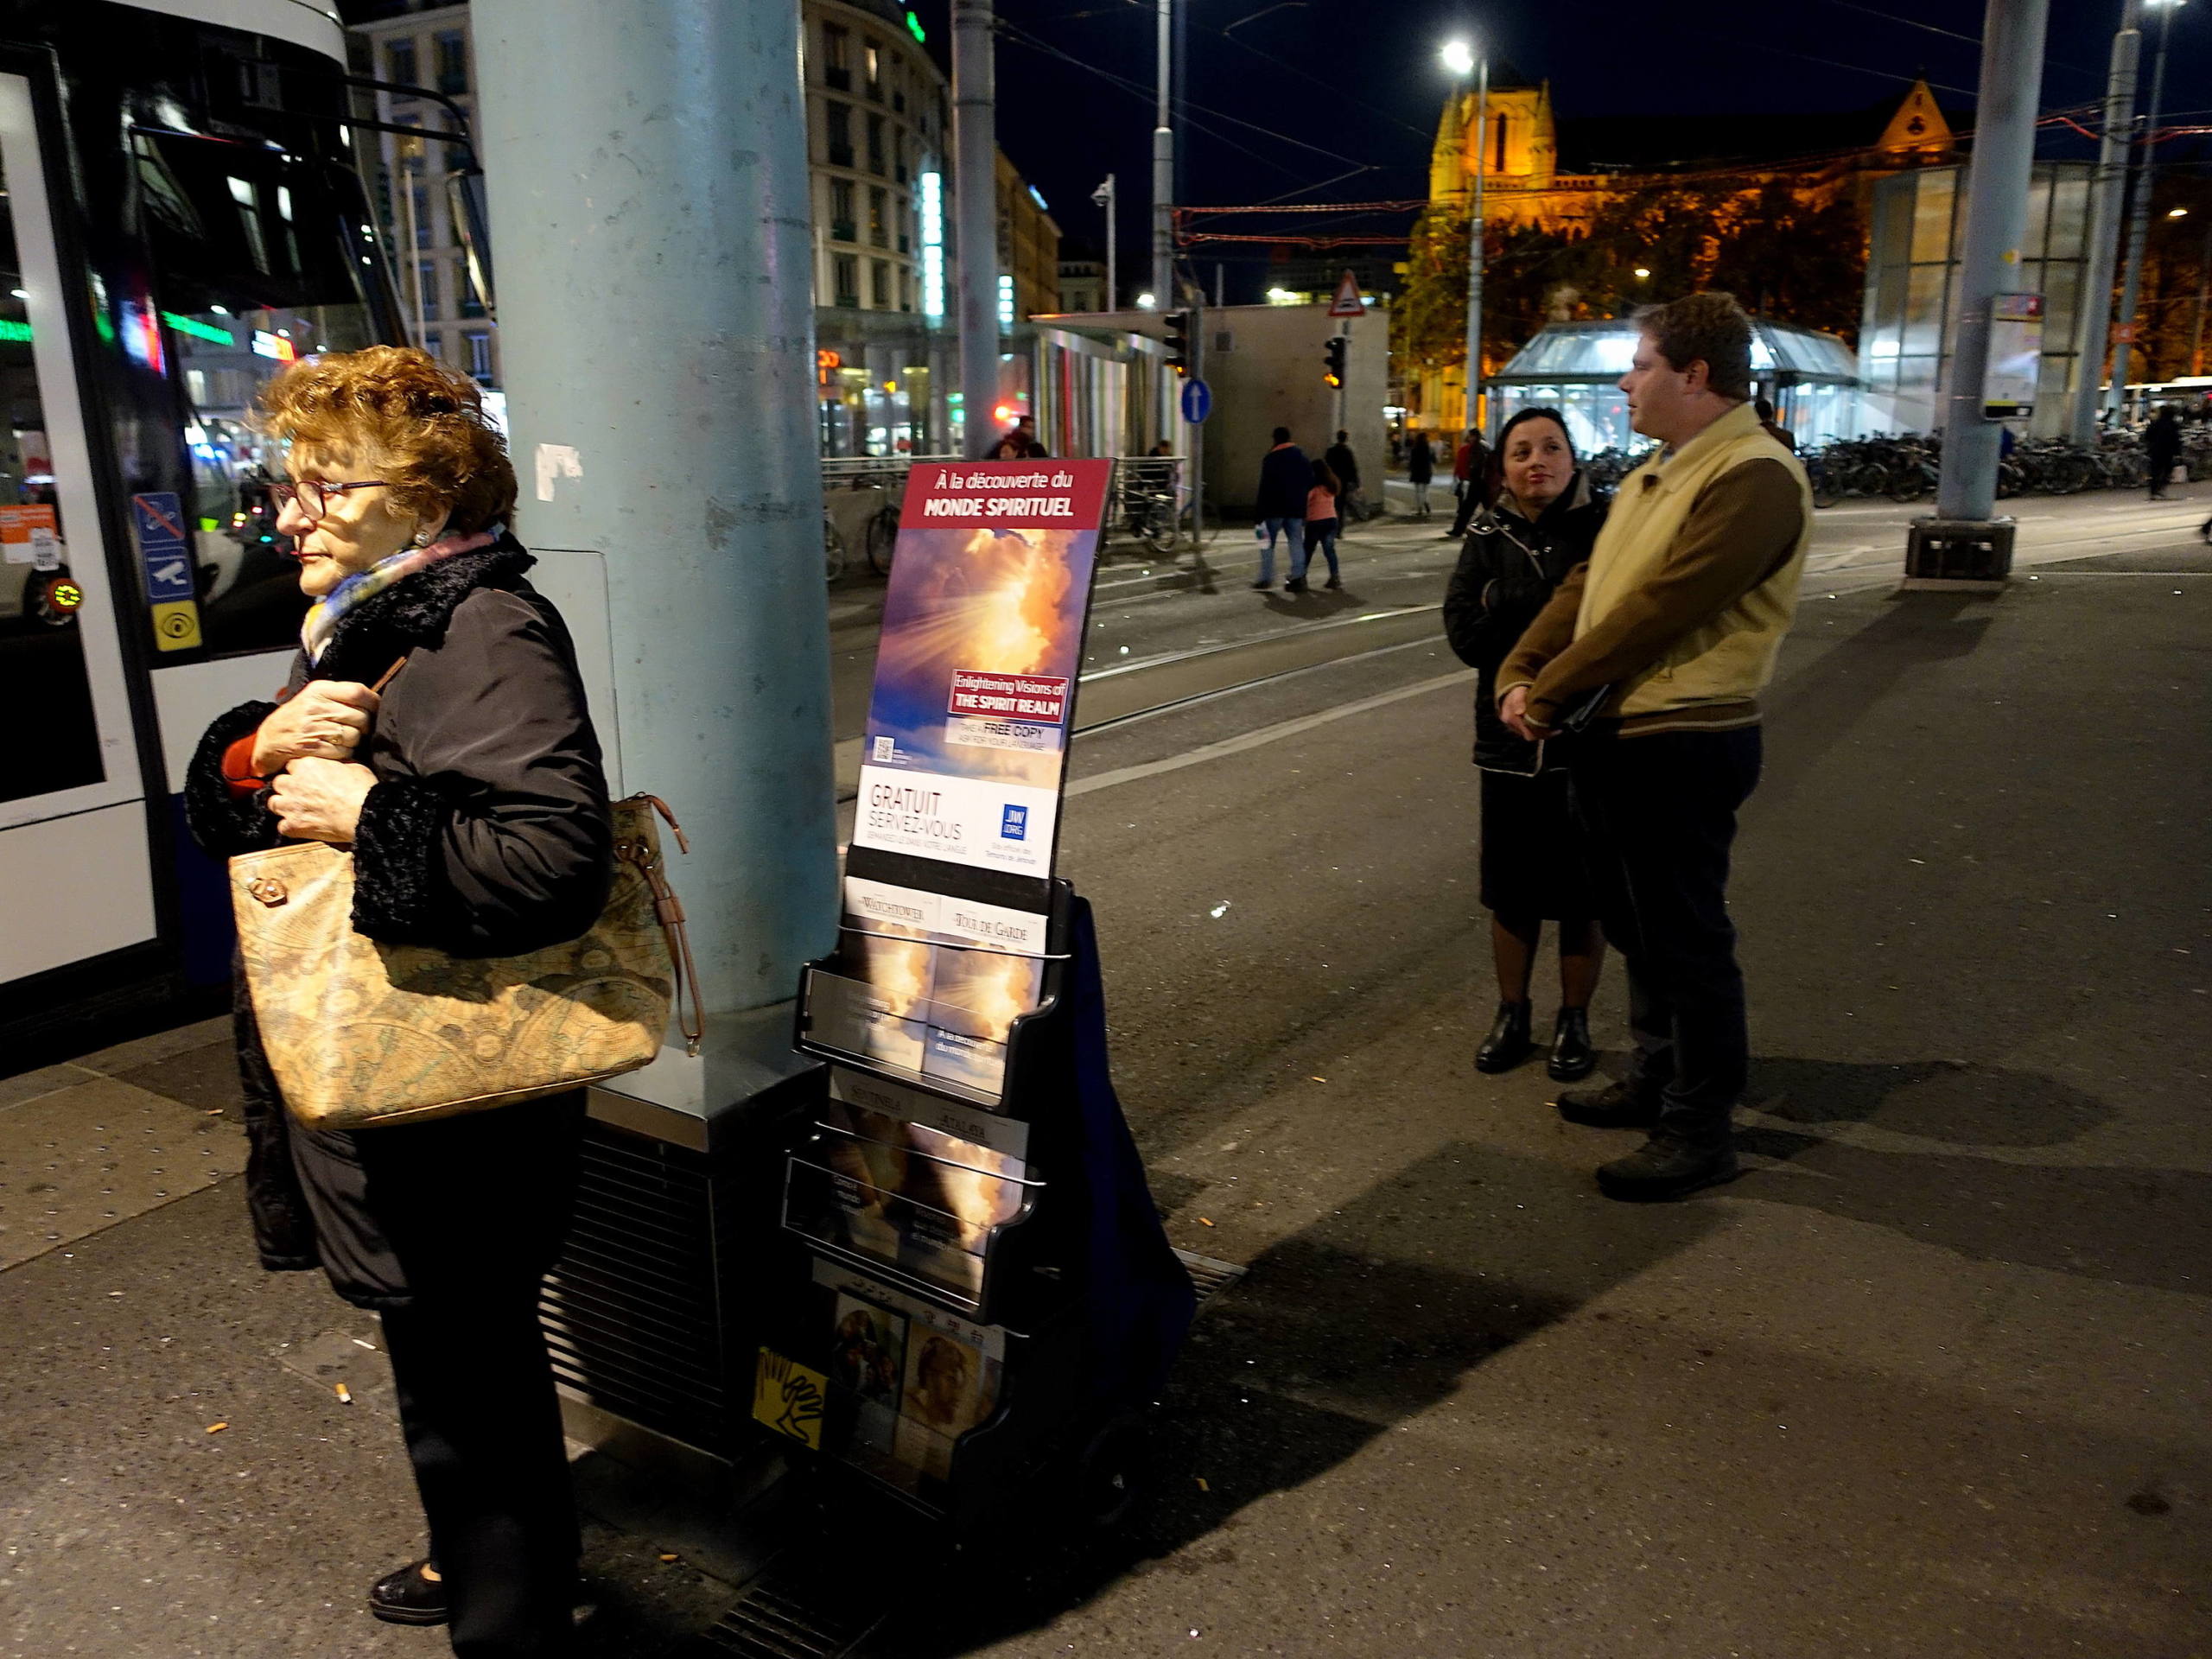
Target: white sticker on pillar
556, 461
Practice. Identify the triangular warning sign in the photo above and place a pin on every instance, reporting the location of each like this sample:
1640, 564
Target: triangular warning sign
1346, 304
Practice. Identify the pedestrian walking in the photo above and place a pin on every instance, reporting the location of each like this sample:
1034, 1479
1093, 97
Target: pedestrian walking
1341, 460
1470, 480
1774, 428
1420, 467
1541, 524
1323, 520
2161, 447
1662, 643
472, 796
1285, 479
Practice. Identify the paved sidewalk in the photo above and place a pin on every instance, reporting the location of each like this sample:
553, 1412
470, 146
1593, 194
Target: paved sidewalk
1930, 1379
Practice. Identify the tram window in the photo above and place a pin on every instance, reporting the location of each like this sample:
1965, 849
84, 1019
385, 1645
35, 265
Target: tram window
52, 739
258, 262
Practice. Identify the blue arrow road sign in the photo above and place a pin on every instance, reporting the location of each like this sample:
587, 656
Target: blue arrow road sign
1197, 401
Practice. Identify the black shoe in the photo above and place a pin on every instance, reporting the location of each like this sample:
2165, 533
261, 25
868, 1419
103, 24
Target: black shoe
1332, 583
1296, 585
1669, 1166
1263, 586
405, 1596
1571, 1057
1616, 1106
1507, 1043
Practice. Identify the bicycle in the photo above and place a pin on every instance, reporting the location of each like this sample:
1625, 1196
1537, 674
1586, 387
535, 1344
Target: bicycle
883, 538
833, 548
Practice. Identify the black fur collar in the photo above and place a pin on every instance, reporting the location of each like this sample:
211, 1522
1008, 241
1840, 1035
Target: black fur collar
415, 611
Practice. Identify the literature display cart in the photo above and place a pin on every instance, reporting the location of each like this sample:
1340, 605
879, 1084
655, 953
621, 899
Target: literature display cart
981, 1301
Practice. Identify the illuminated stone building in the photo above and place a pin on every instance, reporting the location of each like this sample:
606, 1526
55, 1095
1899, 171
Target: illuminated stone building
1544, 172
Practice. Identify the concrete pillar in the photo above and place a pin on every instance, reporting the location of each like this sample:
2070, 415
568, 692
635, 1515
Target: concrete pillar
649, 193
976, 216
1989, 264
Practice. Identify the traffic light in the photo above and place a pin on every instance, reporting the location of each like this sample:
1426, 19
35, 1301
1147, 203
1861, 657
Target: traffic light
1334, 373
1178, 341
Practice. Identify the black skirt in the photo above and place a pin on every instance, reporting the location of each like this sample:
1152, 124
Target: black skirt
1532, 853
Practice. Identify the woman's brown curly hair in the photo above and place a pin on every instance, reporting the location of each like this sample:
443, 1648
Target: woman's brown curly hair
421, 424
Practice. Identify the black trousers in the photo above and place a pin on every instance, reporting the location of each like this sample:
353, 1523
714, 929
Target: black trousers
1659, 816
483, 1428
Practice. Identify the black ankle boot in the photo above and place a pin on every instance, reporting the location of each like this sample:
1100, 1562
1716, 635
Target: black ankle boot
1507, 1043
1670, 1165
1571, 1057
403, 1596
1616, 1106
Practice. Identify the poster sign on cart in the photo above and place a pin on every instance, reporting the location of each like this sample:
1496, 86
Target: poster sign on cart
975, 678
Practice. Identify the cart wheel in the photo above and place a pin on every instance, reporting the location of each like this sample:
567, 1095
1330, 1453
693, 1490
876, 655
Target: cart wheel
1114, 1474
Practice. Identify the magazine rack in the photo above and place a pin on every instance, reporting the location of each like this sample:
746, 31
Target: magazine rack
980, 1291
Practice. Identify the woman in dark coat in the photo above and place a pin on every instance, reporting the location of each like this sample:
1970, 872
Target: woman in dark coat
1542, 522
1420, 466
472, 794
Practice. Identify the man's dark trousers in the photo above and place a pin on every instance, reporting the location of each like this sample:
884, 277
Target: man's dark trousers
1658, 814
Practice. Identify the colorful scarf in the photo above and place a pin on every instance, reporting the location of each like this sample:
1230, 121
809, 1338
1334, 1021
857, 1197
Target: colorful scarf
323, 616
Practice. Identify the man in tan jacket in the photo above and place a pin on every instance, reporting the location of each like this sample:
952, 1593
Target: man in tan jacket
1670, 632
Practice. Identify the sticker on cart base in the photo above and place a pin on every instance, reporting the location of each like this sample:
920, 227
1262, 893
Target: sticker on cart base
788, 1398
176, 625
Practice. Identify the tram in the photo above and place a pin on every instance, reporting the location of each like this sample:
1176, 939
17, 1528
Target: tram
181, 214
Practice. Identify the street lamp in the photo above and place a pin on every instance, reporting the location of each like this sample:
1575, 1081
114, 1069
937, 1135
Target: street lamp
1642, 272
1145, 302
1459, 58
1104, 195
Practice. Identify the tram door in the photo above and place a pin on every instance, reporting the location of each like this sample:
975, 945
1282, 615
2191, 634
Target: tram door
73, 855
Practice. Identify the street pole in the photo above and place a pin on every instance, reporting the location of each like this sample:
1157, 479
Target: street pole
2139, 229
1163, 167
1475, 252
1163, 197
670, 474
411, 170
1997, 223
2105, 213
975, 215
2203, 298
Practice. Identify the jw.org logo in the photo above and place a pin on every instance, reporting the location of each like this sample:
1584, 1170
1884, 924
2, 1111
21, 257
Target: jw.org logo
1013, 824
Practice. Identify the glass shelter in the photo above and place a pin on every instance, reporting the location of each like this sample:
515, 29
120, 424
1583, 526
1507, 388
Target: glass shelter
1575, 367
1904, 340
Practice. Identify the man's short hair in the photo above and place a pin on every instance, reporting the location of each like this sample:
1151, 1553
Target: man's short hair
1283, 435
1711, 328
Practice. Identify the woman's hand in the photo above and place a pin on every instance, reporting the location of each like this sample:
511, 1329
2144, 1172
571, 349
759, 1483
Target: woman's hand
320, 800
325, 719
1513, 710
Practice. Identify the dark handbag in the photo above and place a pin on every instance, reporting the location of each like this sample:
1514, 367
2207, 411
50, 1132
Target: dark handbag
1576, 717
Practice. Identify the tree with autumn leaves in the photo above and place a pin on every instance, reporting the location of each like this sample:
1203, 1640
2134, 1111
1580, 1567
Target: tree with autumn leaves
1784, 252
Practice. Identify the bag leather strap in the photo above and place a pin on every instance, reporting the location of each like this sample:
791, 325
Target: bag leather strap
670, 910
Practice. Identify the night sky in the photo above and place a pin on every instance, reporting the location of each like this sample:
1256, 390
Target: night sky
1360, 96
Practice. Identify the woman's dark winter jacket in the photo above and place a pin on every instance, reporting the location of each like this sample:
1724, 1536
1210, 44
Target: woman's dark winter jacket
1420, 461
487, 834
1508, 567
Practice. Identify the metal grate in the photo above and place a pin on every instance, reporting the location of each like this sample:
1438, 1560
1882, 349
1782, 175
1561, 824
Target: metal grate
793, 1612
630, 1313
1209, 1277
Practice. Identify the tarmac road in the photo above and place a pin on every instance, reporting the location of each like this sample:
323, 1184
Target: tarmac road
1929, 1379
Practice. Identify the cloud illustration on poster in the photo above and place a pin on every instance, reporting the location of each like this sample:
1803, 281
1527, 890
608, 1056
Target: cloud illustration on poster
1006, 601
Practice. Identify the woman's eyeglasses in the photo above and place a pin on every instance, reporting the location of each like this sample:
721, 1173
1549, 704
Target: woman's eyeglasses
313, 496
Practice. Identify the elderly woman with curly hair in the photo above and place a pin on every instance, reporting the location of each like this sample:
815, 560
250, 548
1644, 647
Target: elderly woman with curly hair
471, 792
